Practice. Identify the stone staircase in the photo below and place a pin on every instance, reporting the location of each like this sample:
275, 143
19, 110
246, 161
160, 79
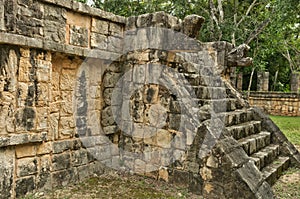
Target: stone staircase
258, 144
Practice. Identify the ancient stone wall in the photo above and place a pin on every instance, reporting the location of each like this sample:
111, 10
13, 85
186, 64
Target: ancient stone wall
83, 91
42, 44
277, 103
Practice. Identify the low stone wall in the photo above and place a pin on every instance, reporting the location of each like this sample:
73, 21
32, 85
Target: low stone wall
277, 103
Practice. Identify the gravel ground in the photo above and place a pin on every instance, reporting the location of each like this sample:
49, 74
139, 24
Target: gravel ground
125, 186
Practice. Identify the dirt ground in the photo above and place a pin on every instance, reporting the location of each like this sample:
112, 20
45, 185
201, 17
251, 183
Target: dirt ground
125, 186
115, 185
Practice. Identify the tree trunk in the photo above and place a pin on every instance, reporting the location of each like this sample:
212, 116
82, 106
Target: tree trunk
275, 80
250, 82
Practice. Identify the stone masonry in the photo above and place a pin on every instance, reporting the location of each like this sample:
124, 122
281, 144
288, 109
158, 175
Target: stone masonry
277, 103
83, 91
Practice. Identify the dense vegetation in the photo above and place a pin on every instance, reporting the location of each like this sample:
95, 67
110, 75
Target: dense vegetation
270, 27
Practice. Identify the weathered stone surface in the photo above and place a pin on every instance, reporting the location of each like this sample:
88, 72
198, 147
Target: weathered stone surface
61, 161
43, 180
64, 177
116, 29
24, 185
286, 104
100, 26
7, 161
99, 41
61, 146
67, 80
79, 158
192, 25
44, 148
27, 166
25, 151
79, 36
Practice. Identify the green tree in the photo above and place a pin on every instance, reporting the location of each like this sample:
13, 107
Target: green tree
270, 27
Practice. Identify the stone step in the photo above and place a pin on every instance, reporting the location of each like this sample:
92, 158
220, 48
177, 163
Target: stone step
244, 129
236, 117
274, 170
219, 105
255, 142
265, 156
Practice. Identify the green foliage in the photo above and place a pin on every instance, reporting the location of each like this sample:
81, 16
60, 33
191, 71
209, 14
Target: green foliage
268, 26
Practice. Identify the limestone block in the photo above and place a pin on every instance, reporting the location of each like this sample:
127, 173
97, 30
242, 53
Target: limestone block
163, 174
42, 118
24, 185
107, 95
53, 125
107, 118
23, 92
2, 21
43, 180
27, 166
61, 146
116, 29
115, 44
54, 13
7, 157
66, 103
99, 41
24, 70
164, 138
93, 122
43, 74
64, 177
174, 121
25, 52
25, 119
100, 26
101, 153
252, 146
79, 157
66, 127
179, 141
79, 36
55, 76
139, 166
110, 79
212, 162
54, 31
61, 161
25, 151
95, 92
251, 175
43, 94
67, 79
44, 148
10, 125
6, 114
84, 172
110, 129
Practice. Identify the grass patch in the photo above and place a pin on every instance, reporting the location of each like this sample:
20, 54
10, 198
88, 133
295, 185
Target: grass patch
290, 126
288, 186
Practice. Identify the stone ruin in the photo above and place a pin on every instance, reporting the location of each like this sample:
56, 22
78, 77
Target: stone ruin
83, 91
